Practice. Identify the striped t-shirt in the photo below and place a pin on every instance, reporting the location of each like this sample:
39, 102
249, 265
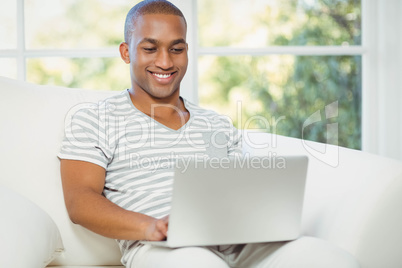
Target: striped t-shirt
138, 153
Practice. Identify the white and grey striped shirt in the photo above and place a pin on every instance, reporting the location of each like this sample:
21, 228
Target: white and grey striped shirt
138, 153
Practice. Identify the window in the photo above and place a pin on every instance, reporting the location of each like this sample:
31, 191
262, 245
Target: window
285, 61
268, 59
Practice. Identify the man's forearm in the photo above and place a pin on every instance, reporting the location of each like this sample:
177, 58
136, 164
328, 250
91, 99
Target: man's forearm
83, 183
96, 213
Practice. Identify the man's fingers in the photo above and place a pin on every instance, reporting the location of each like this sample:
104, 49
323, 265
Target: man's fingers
162, 226
158, 229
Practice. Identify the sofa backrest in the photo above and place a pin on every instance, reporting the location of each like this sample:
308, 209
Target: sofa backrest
32, 127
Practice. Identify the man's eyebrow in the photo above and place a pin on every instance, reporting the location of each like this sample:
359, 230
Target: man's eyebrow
156, 42
178, 41
149, 40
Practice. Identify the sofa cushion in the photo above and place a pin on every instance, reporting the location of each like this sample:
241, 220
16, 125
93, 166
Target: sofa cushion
28, 236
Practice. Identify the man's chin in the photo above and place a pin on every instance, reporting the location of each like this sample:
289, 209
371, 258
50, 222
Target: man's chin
163, 93
162, 97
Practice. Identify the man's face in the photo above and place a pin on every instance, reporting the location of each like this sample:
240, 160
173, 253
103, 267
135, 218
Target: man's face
158, 54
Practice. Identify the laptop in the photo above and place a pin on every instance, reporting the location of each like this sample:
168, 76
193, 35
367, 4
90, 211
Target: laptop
236, 201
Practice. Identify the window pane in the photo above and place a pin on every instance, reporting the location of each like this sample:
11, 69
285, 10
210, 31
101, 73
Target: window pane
257, 91
90, 73
259, 23
61, 24
8, 24
8, 67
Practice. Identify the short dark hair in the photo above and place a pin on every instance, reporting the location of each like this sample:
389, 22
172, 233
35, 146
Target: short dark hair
148, 7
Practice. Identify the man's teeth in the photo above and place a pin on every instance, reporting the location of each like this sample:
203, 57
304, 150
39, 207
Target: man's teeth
162, 75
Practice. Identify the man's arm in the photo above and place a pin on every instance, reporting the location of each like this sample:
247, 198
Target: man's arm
83, 184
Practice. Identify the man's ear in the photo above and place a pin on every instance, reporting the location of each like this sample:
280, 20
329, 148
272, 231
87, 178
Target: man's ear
124, 52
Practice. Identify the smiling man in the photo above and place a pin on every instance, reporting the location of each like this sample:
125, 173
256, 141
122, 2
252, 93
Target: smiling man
117, 156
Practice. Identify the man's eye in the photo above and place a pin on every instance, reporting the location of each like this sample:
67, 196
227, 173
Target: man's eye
149, 49
177, 50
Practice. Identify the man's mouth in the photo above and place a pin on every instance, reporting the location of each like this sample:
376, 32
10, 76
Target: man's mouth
163, 76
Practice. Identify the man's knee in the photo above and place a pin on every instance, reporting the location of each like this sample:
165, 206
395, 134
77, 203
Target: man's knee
194, 257
309, 252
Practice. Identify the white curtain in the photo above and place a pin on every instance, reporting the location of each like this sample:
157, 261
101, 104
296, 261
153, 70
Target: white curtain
382, 77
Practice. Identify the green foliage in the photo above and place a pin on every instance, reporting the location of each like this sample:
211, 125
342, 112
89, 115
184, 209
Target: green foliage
302, 88
88, 24
261, 23
90, 73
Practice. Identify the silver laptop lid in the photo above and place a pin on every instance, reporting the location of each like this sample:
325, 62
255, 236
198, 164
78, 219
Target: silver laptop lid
241, 200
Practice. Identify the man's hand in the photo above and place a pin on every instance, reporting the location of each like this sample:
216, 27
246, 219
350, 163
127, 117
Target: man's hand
157, 230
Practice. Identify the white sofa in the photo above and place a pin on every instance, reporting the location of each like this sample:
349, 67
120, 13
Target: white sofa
355, 205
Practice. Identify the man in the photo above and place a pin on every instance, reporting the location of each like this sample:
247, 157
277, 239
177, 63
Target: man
117, 156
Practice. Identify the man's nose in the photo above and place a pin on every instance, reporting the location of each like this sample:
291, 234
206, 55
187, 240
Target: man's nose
163, 60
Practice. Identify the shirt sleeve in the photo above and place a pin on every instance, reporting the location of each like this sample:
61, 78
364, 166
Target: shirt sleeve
85, 137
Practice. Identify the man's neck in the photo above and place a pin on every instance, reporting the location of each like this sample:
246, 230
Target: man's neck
170, 111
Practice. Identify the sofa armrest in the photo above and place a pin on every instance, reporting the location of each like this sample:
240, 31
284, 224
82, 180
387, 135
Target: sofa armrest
379, 230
